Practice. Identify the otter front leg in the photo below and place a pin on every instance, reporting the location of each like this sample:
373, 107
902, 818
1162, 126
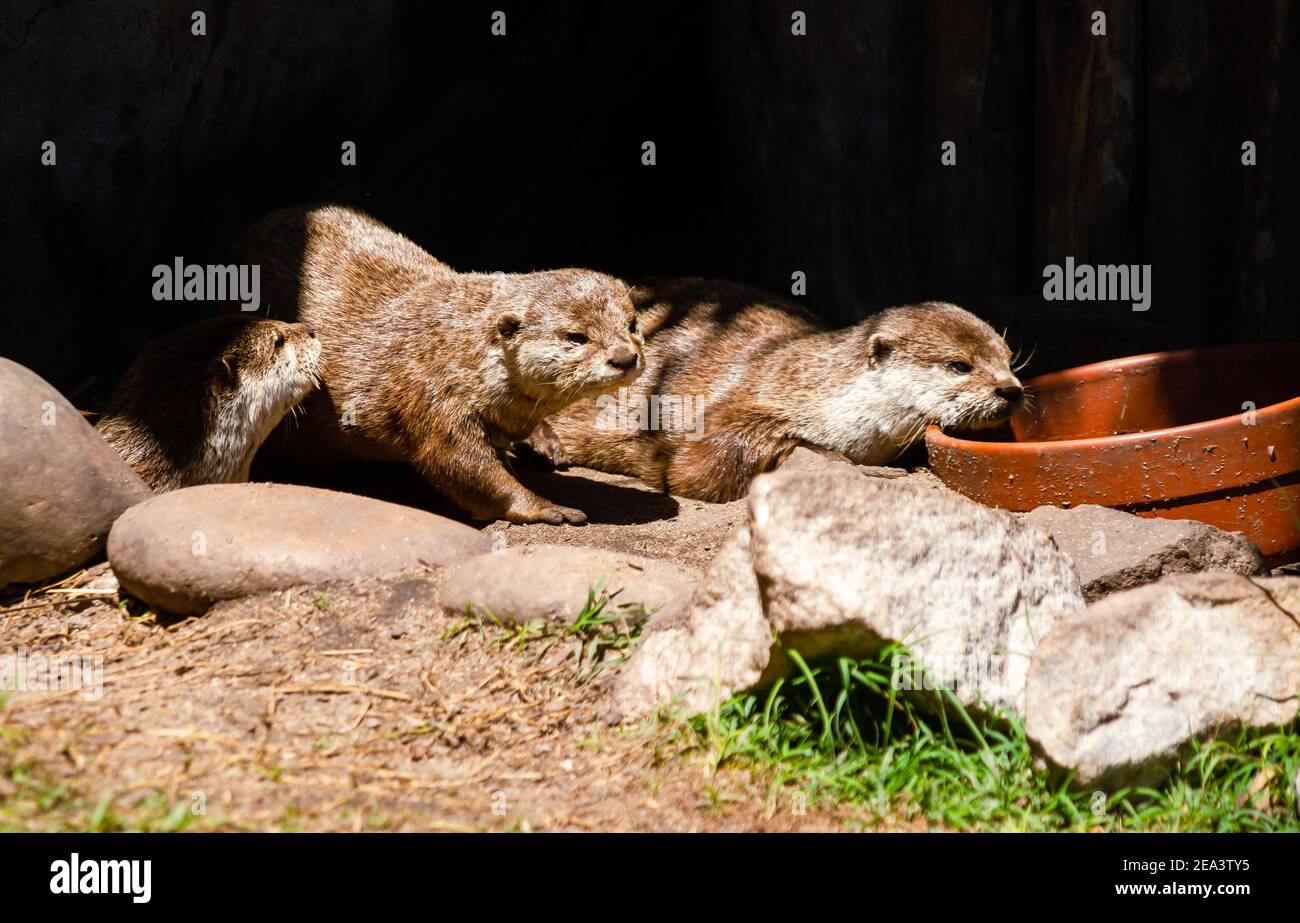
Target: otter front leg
465, 467
543, 443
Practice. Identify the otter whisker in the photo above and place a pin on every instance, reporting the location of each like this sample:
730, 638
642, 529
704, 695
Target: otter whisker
1017, 368
915, 431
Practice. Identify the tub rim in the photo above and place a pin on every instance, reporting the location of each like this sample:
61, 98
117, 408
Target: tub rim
934, 434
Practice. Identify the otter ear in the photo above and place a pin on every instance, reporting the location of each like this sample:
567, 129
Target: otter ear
508, 324
878, 348
226, 371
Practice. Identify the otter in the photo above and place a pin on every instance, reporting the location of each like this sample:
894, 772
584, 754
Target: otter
739, 379
441, 369
197, 403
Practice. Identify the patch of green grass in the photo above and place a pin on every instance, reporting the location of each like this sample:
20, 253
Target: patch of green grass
608, 630
153, 813
605, 632
837, 730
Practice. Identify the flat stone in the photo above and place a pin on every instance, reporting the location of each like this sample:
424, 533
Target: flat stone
882, 471
520, 585
833, 563
63, 486
1117, 693
1113, 550
811, 460
182, 551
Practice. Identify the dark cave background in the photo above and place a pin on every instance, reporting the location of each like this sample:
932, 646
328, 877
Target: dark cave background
776, 153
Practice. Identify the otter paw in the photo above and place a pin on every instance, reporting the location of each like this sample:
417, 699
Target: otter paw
542, 444
555, 515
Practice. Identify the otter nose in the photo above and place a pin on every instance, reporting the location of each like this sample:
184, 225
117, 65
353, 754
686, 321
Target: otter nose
1009, 391
623, 360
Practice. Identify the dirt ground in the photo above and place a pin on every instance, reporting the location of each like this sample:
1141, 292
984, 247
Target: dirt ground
362, 706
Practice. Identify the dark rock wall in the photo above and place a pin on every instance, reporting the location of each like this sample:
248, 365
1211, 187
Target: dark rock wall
775, 153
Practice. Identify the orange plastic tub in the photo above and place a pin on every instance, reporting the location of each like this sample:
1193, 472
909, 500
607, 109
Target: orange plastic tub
1211, 434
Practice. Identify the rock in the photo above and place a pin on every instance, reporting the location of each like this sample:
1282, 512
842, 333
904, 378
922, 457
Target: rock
1113, 550
849, 566
884, 471
63, 486
924, 477
1117, 692
182, 551
518, 585
693, 657
811, 461
834, 563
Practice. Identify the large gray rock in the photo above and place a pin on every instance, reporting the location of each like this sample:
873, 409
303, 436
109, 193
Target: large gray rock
518, 585
1113, 550
966, 588
839, 564
61, 485
182, 551
1117, 692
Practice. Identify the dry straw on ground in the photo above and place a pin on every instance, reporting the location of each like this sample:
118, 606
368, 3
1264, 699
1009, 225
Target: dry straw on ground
348, 707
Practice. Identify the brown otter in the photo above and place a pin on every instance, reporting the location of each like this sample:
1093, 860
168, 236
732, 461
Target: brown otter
736, 379
441, 369
198, 402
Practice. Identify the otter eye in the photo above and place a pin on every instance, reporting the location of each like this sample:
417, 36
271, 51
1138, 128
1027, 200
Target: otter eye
631, 328
959, 368
279, 340
578, 338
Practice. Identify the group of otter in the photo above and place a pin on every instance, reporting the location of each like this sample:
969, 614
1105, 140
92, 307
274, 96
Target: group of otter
381, 351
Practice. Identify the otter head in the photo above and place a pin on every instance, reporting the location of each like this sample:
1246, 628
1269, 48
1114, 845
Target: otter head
264, 368
569, 334
944, 365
